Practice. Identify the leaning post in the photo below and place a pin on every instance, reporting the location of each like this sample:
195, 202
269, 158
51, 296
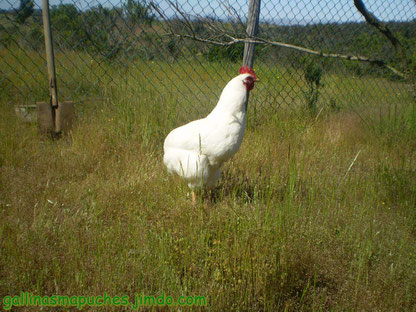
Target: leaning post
53, 116
53, 91
252, 31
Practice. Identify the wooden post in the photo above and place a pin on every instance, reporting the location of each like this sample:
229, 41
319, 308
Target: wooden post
252, 30
53, 117
50, 60
53, 90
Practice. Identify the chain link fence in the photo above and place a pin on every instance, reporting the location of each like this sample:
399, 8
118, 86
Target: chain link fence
186, 51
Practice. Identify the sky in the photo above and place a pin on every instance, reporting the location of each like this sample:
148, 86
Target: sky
274, 11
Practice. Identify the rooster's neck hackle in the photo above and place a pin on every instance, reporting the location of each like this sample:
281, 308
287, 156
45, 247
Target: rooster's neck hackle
232, 98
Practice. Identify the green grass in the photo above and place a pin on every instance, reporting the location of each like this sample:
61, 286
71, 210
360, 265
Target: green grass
295, 224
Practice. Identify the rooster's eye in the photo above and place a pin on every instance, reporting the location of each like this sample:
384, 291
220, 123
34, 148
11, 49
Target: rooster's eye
249, 83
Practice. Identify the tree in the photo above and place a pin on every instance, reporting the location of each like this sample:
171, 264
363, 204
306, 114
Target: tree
138, 11
24, 11
102, 32
66, 22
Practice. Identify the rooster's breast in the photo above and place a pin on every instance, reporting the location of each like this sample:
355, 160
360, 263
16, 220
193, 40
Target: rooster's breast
224, 140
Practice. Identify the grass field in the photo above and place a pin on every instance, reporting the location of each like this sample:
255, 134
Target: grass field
314, 213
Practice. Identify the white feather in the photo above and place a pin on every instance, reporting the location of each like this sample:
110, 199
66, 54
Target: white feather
197, 150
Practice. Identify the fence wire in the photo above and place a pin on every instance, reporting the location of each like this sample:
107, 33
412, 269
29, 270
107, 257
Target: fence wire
188, 50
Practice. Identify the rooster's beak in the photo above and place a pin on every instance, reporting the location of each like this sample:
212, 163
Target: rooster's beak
256, 80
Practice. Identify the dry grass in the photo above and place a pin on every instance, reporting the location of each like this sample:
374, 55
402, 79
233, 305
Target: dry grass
289, 227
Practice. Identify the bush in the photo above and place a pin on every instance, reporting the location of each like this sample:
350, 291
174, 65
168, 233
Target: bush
313, 74
138, 11
67, 26
232, 53
35, 36
24, 11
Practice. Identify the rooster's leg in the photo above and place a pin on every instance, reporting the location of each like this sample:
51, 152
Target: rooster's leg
193, 198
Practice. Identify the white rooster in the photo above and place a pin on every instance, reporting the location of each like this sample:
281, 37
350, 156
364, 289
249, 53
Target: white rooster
197, 150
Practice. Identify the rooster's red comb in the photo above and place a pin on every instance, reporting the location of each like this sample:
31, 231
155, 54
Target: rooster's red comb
247, 70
